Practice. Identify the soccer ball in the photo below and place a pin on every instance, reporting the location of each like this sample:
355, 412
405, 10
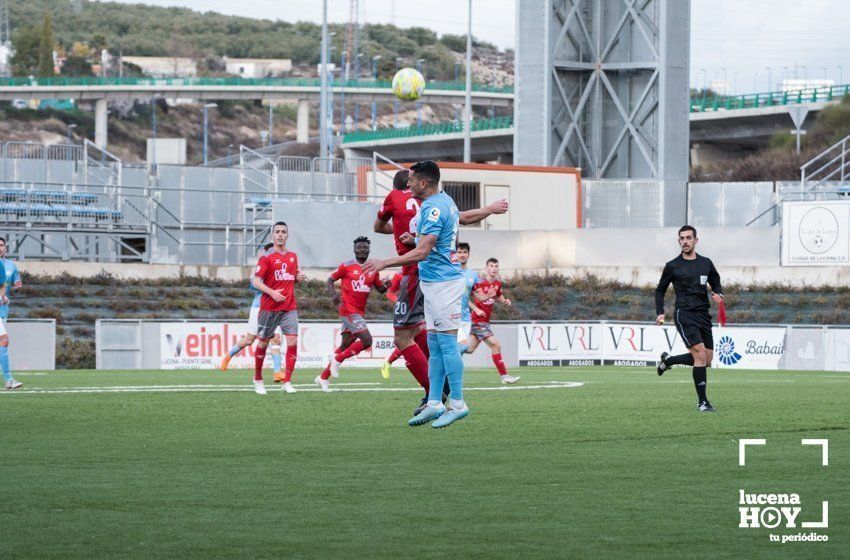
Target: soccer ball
408, 84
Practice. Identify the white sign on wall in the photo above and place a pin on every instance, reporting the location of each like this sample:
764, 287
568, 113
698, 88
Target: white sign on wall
632, 344
203, 345
816, 233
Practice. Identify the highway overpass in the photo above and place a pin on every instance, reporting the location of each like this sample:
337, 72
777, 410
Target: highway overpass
99, 91
717, 127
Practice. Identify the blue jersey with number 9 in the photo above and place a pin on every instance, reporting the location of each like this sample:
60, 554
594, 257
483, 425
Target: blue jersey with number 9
439, 216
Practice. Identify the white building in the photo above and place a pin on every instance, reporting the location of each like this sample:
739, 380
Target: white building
164, 66
257, 67
805, 85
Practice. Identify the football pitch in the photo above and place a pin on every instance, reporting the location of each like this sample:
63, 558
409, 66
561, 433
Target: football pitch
569, 463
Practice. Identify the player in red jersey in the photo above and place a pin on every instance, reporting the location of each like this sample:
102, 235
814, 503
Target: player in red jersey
275, 276
490, 289
409, 312
356, 286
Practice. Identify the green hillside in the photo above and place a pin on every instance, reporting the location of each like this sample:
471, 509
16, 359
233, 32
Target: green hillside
140, 29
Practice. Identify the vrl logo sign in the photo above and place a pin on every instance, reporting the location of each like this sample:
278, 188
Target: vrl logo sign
773, 510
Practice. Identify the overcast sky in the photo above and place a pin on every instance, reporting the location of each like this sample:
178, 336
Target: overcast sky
742, 36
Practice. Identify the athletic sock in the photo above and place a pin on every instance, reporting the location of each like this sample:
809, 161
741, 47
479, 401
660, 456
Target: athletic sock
453, 364
500, 365
394, 355
436, 370
421, 340
326, 374
4, 364
417, 363
352, 350
276, 361
686, 359
700, 382
291, 356
259, 358
235, 350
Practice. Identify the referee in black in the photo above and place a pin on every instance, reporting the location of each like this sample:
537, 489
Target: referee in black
690, 275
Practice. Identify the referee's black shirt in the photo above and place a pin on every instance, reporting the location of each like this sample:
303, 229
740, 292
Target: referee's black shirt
689, 279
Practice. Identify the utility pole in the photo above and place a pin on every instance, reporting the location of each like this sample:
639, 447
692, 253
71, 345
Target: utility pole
467, 117
323, 94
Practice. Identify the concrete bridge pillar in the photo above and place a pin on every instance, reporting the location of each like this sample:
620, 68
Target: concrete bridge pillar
303, 123
100, 114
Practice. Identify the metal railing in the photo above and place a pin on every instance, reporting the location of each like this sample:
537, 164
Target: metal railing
448, 127
433, 85
768, 99
830, 165
824, 177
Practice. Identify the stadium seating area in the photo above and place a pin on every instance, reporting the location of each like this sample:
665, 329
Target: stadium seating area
24, 205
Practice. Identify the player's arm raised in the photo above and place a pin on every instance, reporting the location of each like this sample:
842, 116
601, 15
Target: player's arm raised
468, 217
663, 284
420, 253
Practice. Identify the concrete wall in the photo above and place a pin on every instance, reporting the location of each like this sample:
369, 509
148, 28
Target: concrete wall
541, 198
323, 239
32, 344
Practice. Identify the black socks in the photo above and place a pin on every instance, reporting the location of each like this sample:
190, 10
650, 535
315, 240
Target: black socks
699, 383
686, 359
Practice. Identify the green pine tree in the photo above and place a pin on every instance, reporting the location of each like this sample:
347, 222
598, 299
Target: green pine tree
45, 50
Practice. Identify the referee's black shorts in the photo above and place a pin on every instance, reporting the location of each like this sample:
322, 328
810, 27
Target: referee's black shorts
694, 327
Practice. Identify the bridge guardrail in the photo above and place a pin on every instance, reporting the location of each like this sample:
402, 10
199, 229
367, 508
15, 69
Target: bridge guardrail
768, 99
432, 85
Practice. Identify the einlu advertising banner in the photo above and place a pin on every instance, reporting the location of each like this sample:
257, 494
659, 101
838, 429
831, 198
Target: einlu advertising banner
203, 345
633, 344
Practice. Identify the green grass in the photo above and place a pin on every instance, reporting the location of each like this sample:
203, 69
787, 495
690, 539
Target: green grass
622, 466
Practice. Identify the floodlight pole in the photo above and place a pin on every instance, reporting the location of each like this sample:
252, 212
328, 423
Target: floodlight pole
467, 117
323, 93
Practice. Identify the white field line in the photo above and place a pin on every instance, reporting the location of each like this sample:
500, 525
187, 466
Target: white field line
341, 388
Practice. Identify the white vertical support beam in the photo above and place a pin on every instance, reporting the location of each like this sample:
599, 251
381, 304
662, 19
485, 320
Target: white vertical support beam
467, 108
532, 89
674, 31
302, 135
323, 94
100, 130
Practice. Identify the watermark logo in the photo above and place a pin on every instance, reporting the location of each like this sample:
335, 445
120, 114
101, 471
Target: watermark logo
726, 351
782, 510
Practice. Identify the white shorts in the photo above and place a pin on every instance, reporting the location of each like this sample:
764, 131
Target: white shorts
2, 326
253, 317
464, 330
443, 304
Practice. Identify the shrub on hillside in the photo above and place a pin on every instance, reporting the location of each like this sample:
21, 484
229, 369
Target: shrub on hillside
75, 353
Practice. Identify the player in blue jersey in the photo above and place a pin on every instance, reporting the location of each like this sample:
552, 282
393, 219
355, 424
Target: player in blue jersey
467, 305
253, 316
10, 279
443, 284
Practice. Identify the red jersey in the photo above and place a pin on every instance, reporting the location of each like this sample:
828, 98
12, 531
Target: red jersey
356, 286
401, 207
486, 305
278, 271
395, 286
